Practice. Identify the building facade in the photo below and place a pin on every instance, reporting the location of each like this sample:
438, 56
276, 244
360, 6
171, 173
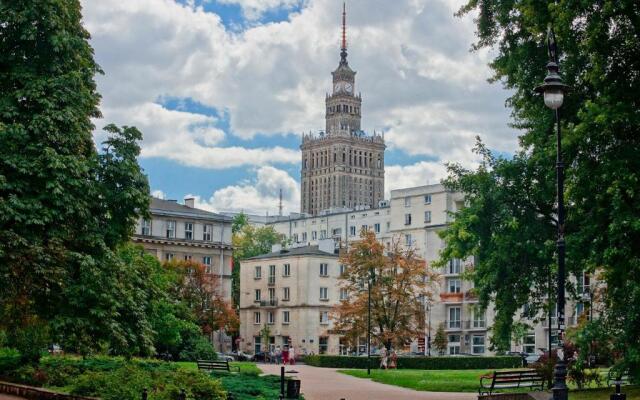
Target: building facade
415, 216
290, 293
182, 232
342, 167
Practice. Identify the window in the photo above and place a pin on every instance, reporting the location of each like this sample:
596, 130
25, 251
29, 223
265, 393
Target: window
427, 199
388, 226
323, 234
304, 236
479, 318
453, 285
336, 232
323, 344
258, 296
286, 294
343, 269
286, 270
477, 344
407, 201
455, 266
454, 318
408, 241
407, 219
324, 269
285, 318
454, 344
272, 274
146, 227
314, 235
324, 293
171, 229
207, 233
169, 256
295, 238
352, 231
188, 230
258, 272
187, 257
206, 260
529, 343
256, 318
376, 228
427, 216
270, 318
272, 295
344, 295
324, 317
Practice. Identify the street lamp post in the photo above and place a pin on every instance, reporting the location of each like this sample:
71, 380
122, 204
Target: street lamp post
428, 345
369, 325
553, 91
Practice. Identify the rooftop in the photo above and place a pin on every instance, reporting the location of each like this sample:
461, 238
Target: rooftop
293, 252
171, 207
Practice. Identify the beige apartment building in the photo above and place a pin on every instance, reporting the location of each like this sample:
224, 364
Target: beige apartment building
290, 292
415, 216
182, 232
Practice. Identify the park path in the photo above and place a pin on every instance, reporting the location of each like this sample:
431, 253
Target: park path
328, 384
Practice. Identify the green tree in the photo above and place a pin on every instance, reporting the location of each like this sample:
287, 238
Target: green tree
440, 341
598, 43
64, 207
249, 241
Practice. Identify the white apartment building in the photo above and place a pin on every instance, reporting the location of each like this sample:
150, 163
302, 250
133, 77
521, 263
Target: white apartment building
415, 216
183, 232
291, 292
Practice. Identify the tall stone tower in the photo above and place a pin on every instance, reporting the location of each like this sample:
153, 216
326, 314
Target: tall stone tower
342, 166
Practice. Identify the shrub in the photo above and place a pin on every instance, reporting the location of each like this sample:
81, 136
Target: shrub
418, 362
9, 360
250, 387
198, 348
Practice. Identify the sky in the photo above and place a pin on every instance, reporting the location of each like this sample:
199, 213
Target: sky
222, 90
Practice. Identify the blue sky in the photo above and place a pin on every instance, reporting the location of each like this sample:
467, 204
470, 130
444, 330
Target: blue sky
223, 89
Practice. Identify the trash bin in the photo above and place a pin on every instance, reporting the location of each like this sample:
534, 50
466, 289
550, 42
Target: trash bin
293, 388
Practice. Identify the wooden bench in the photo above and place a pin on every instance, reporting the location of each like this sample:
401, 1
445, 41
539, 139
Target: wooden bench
615, 377
522, 378
215, 365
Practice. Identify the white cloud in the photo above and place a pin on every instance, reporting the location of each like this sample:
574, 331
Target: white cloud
158, 194
418, 174
258, 196
419, 81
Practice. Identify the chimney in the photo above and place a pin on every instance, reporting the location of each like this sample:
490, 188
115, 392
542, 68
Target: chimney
190, 202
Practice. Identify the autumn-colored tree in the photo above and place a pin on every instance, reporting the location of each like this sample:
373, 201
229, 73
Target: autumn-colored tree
400, 284
202, 293
440, 341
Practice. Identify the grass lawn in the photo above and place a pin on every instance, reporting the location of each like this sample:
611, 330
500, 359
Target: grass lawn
461, 381
246, 367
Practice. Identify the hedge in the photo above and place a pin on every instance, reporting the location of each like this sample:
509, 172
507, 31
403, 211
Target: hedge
455, 362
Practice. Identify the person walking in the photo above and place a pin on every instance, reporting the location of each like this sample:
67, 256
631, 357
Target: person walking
292, 356
285, 355
393, 364
278, 355
383, 358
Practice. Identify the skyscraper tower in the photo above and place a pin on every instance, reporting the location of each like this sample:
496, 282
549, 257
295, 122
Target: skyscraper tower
342, 167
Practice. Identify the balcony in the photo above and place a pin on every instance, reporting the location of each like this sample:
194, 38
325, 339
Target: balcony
451, 297
272, 281
269, 303
475, 324
453, 324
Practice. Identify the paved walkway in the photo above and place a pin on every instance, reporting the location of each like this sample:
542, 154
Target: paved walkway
327, 384
9, 397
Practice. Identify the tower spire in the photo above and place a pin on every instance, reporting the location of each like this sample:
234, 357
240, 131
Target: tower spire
343, 52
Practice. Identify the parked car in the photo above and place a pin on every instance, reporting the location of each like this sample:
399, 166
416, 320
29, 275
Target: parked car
240, 356
225, 357
261, 356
